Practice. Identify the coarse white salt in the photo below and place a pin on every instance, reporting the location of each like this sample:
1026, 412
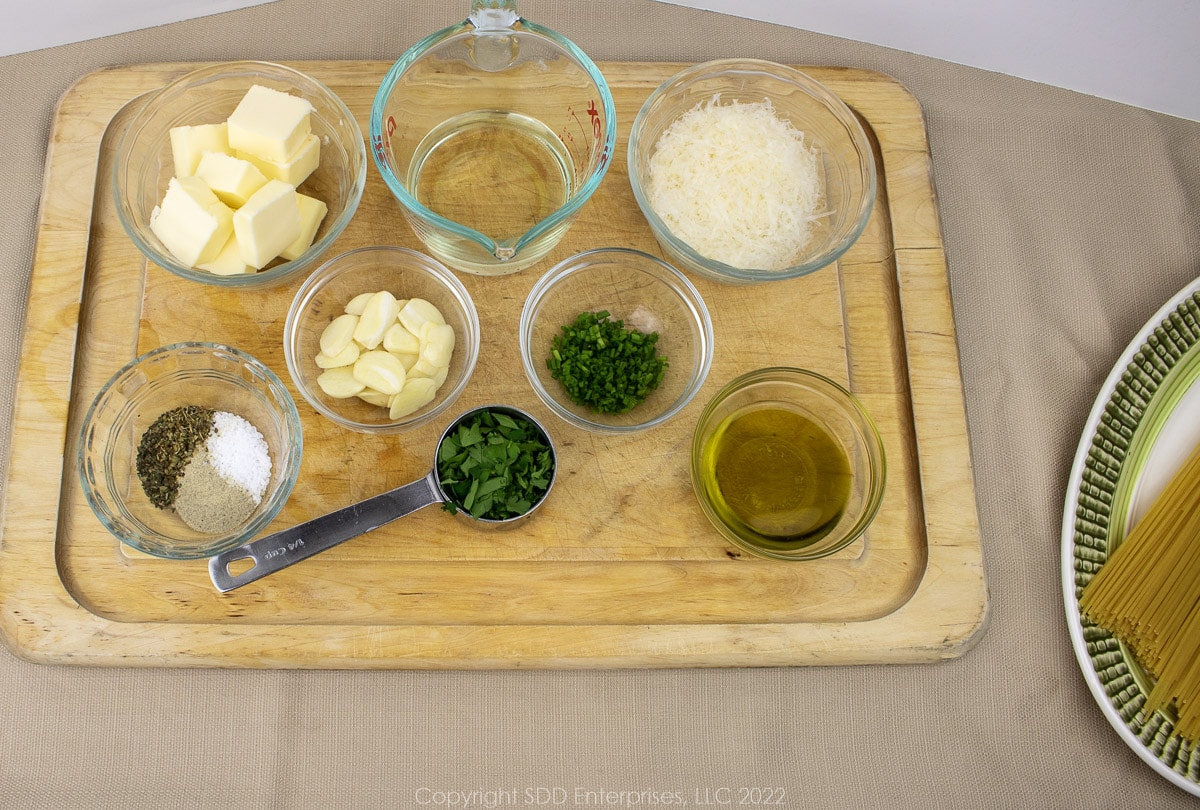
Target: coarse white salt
239, 454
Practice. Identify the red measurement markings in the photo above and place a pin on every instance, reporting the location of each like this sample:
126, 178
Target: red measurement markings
566, 133
381, 142
597, 130
594, 114
568, 137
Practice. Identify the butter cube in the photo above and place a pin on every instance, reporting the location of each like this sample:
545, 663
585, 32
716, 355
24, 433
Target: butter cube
232, 180
268, 223
229, 261
269, 123
312, 212
188, 145
295, 169
191, 221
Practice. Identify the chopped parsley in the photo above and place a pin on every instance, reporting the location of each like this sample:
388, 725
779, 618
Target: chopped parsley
495, 466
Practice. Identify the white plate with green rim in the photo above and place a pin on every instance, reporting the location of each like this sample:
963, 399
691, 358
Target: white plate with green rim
1143, 425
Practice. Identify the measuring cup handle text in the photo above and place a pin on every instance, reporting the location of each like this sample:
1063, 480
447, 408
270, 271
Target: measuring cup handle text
277, 551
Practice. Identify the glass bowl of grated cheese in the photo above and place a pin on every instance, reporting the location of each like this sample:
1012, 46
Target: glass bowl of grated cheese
749, 171
189, 450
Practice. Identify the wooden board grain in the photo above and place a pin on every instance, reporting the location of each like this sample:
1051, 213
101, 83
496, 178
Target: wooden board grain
619, 569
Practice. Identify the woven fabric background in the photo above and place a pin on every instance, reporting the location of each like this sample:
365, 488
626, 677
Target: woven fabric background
1068, 220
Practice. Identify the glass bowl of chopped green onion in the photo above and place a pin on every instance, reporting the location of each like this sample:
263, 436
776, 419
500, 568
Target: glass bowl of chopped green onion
189, 450
615, 340
748, 171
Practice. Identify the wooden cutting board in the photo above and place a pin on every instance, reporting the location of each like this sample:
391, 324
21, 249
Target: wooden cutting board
619, 569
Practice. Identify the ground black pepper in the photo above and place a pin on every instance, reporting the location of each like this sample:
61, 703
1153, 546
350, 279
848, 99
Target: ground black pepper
207, 501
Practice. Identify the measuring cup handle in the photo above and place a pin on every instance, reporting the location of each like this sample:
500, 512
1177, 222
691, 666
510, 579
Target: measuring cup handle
493, 15
277, 551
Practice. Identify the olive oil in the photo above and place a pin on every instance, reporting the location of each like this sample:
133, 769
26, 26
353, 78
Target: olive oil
776, 477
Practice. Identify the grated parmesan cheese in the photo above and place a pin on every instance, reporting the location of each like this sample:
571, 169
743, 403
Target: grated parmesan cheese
737, 183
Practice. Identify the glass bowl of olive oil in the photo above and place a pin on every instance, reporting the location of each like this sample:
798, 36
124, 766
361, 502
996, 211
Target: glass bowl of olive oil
787, 464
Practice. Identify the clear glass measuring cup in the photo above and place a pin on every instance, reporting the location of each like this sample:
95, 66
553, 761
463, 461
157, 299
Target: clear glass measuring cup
492, 134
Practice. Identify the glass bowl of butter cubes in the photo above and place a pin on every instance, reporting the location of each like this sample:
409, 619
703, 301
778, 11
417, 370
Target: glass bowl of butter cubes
239, 174
381, 339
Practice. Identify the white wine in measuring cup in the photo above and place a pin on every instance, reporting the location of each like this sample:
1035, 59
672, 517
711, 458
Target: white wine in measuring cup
492, 134
500, 173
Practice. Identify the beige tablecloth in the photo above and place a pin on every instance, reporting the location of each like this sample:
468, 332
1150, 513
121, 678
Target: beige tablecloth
1068, 221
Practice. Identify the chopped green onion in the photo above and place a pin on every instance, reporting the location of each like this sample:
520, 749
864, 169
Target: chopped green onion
604, 366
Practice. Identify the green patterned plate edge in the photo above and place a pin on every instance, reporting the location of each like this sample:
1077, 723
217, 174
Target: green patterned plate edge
1151, 376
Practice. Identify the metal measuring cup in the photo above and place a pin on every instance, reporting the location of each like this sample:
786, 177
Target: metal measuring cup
288, 547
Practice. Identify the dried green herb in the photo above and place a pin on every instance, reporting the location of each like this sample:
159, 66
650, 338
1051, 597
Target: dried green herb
495, 466
166, 448
604, 366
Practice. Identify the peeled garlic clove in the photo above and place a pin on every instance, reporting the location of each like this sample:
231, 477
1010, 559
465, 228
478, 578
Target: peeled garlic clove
418, 311
338, 334
373, 397
406, 360
358, 303
399, 340
345, 357
416, 394
422, 368
340, 383
437, 344
380, 370
425, 370
377, 316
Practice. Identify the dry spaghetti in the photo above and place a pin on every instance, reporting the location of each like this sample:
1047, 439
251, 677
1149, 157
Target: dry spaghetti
1148, 595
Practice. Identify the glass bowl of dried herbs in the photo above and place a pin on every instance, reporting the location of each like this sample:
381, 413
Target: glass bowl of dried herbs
615, 341
190, 450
